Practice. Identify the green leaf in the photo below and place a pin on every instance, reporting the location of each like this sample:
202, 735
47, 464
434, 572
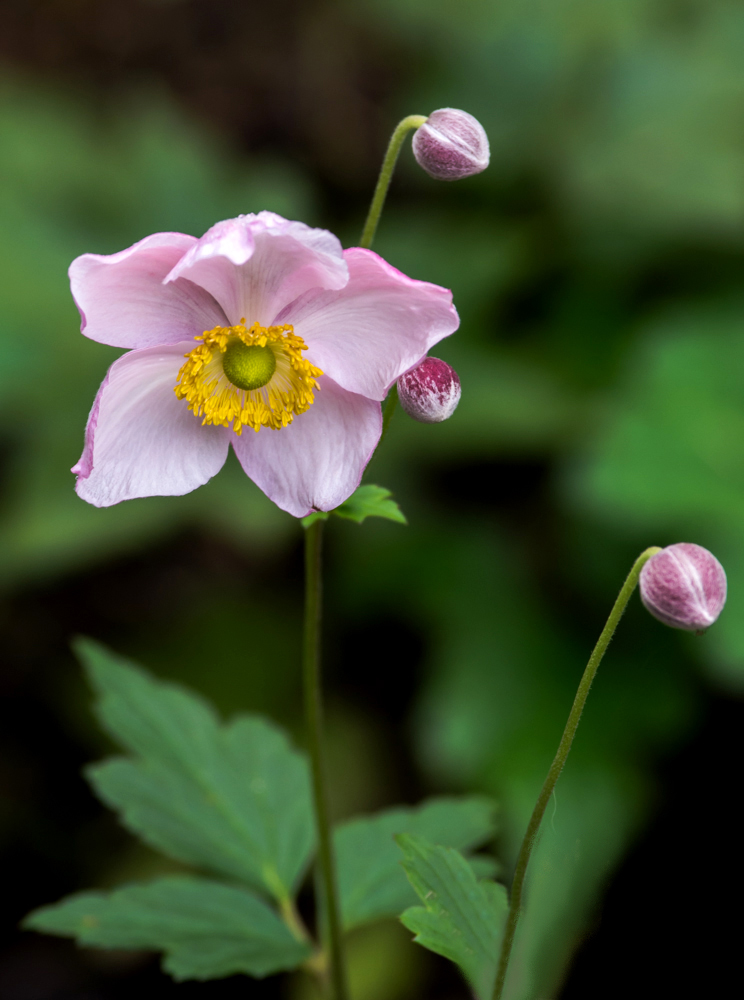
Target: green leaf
372, 884
370, 501
485, 866
646, 465
318, 515
462, 918
233, 799
365, 501
206, 930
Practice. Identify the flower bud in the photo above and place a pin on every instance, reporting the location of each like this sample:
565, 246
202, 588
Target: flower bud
451, 144
684, 586
429, 392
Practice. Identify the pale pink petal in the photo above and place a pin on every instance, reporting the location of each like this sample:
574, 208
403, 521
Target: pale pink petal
141, 440
375, 328
317, 461
123, 301
256, 264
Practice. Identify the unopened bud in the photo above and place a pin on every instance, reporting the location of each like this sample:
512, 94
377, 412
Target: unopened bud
451, 144
429, 392
684, 586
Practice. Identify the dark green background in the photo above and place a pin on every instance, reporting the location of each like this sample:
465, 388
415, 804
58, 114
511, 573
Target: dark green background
598, 267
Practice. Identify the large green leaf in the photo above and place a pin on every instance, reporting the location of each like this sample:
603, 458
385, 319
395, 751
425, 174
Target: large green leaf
371, 882
462, 918
233, 799
206, 930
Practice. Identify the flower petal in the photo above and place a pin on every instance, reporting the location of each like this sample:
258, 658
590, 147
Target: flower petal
377, 327
317, 461
123, 301
141, 440
256, 264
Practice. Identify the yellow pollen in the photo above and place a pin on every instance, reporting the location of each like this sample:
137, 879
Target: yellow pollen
214, 396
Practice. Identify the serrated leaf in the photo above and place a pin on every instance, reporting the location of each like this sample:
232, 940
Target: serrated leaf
205, 929
462, 918
372, 884
370, 501
233, 799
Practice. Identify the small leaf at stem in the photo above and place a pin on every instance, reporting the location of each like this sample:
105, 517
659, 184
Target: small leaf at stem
370, 501
205, 930
462, 918
318, 515
365, 501
233, 799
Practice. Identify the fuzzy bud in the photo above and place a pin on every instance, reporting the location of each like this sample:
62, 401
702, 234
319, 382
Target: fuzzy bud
451, 144
684, 586
429, 392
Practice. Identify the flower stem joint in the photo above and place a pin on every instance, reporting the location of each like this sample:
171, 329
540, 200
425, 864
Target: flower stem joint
684, 586
429, 392
450, 145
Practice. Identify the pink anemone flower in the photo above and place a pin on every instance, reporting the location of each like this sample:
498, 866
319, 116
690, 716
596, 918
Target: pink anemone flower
263, 334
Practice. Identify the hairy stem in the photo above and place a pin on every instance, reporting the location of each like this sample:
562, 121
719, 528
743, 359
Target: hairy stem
386, 173
515, 901
314, 720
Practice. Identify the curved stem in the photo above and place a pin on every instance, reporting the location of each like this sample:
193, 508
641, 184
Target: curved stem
515, 902
386, 173
293, 920
314, 718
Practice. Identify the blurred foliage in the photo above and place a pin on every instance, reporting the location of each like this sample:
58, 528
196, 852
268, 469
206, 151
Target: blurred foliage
70, 184
597, 267
667, 455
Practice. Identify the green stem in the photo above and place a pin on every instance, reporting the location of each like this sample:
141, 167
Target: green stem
386, 173
515, 902
388, 410
314, 719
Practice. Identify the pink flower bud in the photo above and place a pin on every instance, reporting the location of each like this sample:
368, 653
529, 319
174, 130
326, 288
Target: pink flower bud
684, 586
451, 144
429, 392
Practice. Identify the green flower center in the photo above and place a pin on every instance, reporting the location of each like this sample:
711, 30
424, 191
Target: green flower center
248, 366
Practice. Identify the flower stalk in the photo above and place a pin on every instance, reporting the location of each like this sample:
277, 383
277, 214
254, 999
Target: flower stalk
515, 901
388, 410
386, 173
314, 721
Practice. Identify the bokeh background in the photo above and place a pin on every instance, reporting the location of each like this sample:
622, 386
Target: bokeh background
598, 266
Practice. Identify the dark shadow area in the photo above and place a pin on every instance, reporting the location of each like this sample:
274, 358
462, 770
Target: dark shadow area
670, 909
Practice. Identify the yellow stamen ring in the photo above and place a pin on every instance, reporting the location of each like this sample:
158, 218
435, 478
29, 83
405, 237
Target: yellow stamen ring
248, 377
